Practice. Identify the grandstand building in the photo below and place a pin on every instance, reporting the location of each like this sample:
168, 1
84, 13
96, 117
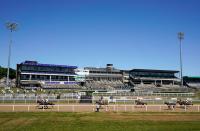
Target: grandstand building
108, 78
34, 74
154, 78
192, 81
100, 74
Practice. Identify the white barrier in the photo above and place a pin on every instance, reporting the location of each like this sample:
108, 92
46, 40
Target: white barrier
92, 108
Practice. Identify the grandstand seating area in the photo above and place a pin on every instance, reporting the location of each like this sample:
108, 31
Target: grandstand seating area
60, 86
3, 82
105, 85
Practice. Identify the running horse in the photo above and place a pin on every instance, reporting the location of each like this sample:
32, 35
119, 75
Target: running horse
184, 103
44, 104
170, 105
139, 102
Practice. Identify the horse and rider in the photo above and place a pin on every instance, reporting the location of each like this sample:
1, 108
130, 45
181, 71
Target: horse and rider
184, 102
101, 102
140, 102
170, 105
44, 103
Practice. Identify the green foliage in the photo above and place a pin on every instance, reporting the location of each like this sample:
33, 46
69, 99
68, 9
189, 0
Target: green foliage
3, 73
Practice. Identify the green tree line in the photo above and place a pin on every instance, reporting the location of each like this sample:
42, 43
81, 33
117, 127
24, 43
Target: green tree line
3, 73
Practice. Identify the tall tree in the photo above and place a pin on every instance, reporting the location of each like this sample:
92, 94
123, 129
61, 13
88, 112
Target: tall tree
3, 73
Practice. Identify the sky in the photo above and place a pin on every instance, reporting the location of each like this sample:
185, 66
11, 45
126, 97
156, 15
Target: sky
127, 33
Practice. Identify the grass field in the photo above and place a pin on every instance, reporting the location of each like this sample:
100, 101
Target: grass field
55, 121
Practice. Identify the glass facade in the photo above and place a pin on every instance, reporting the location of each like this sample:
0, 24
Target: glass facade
153, 74
46, 69
33, 71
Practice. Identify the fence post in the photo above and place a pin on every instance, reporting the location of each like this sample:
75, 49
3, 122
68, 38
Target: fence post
185, 108
146, 107
13, 108
198, 108
58, 109
160, 108
28, 108
132, 108
73, 108
125, 108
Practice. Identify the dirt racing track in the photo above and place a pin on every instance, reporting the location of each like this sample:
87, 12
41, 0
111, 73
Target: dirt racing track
92, 108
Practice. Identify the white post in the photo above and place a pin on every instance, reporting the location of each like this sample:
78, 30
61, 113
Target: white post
132, 107
73, 108
28, 108
13, 108
198, 108
146, 107
185, 108
58, 109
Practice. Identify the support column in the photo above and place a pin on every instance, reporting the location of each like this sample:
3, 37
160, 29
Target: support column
142, 82
30, 77
50, 78
161, 82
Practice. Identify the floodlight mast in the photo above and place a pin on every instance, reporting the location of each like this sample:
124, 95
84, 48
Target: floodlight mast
181, 37
12, 27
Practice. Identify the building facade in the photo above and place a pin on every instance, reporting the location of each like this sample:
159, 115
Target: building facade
154, 77
34, 74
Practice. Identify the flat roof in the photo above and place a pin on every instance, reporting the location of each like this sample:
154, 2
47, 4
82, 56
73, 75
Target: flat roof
35, 63
101, 69
154, 70
198, 77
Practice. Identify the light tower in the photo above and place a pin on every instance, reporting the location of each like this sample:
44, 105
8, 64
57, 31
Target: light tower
181, 37
12, 27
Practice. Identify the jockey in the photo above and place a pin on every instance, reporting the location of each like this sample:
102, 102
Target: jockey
46, 100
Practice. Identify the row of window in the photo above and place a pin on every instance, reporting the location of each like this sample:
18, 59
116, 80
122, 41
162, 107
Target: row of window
46, 69
47, 78
105, 72
147, 74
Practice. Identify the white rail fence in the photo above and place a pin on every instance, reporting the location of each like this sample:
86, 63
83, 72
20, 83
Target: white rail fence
92, 108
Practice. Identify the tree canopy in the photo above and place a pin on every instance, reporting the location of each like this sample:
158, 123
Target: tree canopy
3, 73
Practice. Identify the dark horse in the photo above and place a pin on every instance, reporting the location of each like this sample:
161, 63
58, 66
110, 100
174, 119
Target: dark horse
170, 105
44, 104
139, 102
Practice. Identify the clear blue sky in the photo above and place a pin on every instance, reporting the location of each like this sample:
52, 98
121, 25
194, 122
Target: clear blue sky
128, 33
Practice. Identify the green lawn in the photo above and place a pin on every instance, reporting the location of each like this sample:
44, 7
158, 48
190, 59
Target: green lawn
55, 121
